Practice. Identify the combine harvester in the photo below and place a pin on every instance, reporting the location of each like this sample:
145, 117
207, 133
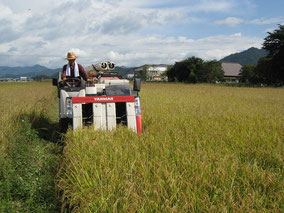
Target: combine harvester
104, 102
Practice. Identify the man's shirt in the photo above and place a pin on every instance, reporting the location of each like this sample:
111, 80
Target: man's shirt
82, 72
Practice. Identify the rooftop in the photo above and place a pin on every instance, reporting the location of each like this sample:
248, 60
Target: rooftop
231, 69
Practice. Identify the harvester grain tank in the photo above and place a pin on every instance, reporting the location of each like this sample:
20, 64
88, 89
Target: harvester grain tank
105, 101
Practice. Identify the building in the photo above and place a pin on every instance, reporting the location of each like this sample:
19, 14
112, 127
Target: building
231, 71
23, 78
129, 76
152, 72
7, 79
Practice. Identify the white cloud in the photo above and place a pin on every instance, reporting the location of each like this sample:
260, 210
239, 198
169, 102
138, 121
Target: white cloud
213, 6
190, 6
46, 61
237, 34
234, 21
269, 30
217, 47
230, 21
155, 49
11, 25
135, 50
5, 11
78, 52
42, 32
264, 21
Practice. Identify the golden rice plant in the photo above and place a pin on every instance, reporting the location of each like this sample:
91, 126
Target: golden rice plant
203, 148
20, 98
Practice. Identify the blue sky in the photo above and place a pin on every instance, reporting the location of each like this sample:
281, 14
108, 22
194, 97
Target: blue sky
131, 32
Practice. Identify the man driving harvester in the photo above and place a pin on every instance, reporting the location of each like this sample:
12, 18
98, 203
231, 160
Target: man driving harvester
73, 70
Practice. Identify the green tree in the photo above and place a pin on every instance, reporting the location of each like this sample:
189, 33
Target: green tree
195, 70
271, 68
192, 77
264, 71
248, 74
171, 73
274, 43
212, 72
195, 66
181, 71
40, 77
142, 73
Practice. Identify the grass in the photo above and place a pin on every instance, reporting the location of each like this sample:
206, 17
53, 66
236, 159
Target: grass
204, 148
28, 149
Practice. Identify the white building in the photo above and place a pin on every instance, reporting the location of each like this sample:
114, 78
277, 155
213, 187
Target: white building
129, 76
153, 72
23, 78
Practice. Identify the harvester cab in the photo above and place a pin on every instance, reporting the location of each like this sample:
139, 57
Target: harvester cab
104, 101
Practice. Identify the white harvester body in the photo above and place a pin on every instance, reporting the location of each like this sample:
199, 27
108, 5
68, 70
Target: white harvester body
104, 104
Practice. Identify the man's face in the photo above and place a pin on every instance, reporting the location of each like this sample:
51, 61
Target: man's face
71, 61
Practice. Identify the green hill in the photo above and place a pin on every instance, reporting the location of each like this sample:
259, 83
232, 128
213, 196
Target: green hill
32, 71
124, 70
250, 56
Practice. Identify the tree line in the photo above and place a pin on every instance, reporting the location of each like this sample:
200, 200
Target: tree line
269, 70
196, 70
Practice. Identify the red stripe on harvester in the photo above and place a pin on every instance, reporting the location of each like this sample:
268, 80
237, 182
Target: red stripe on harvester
102, 99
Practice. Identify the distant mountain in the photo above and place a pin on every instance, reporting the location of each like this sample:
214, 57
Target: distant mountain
250, 56
124, 70
38, 70
47, 72
27, 71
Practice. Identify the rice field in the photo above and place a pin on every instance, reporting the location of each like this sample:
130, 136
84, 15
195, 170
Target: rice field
28, 150
204, 148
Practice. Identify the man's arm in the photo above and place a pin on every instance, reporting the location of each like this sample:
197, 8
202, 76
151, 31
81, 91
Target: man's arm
82, 72
63, 72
